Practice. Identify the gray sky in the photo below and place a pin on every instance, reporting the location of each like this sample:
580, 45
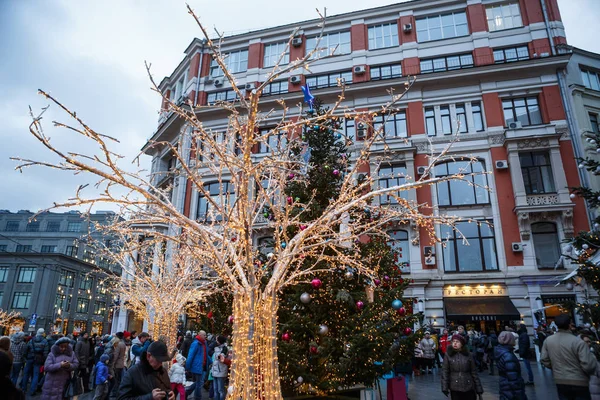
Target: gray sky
90, 54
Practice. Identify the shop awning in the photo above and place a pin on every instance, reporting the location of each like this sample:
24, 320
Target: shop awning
481, 309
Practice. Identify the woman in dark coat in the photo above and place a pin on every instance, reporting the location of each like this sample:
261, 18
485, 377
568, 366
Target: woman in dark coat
61, 362
459, 372
512, 386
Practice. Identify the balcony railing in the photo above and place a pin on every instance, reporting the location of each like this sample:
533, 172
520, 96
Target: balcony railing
542, 199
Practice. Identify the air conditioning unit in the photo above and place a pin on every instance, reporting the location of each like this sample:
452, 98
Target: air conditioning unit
407, 28
360, 69
297, 41
430, 260
517, 247
296, 79
501, 164
218, 82
428, 251
250, 86
515, 125
421, 170
361, 130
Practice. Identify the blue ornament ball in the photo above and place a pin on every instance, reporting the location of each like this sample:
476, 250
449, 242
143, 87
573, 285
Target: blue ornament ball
283, 245
396, 304
338, 135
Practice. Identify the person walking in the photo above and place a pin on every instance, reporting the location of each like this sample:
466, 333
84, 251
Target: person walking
9, 390
185, 345
197, 363
120, 351
83, 351
512, 386
570, 360
59, 366
444, 342
418, 362
492, 343
139, 345
148, 379
220, 367
35, 355
524, 347
177, 376
459, 372
17, 348
101, 380
595, 377
428, 346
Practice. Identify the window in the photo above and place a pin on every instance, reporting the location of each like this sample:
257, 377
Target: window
3, 274
430, 121
386, 72
594, 123
511, 54
89, 256
86, 283
476, 253
53, 226
26, 275
12, 226
446, 121
329, 80
33, 226
477, 115
275, 142
235, 62
393, 125
66, 278
444, 26
71, 251
21, 300
350, 128
99, 307
74, 226
340, 41
272, 88
223, 95
398, 241
1, 297
384, 35
461, 118
220, 194
470, 190
525, 110
49, 249
537, 172
545, 244
179, 90
448, 63
390, 176
590, 80
265, 245
274, 51
60, 303
503, 16
21, 248
83, 305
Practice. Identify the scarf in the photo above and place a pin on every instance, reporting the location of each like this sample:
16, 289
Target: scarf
205, 353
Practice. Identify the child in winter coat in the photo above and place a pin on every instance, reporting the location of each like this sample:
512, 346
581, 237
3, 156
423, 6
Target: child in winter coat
220, 367
177, 376
102, 378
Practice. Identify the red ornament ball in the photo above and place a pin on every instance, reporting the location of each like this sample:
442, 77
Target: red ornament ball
314, 349
407, 331
402, 311
209, 315
230, 319
316, 283
286, 337
290, 200
360, 305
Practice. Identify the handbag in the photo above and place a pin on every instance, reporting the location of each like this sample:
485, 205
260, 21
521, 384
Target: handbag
74, 386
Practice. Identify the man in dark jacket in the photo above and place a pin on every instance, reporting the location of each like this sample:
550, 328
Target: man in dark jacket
187, 342
35, 355
148, 379
492, 343
524, 347
83, 352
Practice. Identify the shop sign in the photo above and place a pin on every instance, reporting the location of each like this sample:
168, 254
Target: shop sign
474, 290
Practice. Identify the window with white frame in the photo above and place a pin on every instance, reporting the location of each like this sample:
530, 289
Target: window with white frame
446, 119
235, 61
590, 79
179, 88
276, 140
503, 16
222, 95
74, 226
383, 35
477, 116
329, 80
279, 87
26, 275
470, 247
461, 118
546, 244
398, 241
471, 189
391, 125
450, 118
350, 128
390, 71
594, 122
273, 52
391, 175
511, 54
216, 196
447, 63
536, 169
338, 41
443, 26
21, 300
430, 124
525, 110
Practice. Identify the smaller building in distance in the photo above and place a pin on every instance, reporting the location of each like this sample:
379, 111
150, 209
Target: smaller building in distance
50, 272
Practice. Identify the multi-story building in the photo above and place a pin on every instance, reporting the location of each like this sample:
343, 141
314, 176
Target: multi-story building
50, 273
496, 67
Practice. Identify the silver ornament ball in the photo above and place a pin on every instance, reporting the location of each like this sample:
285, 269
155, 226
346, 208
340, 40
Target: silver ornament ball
349, 275
300, 379
323, 330
305, 298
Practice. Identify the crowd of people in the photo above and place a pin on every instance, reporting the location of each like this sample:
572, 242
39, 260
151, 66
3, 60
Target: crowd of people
125, 366
572, 353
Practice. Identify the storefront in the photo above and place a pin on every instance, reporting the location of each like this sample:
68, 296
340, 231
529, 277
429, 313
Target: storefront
79, 326
60, 326
96, 328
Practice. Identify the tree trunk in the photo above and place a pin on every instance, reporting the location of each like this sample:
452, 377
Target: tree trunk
254, 368
165, 324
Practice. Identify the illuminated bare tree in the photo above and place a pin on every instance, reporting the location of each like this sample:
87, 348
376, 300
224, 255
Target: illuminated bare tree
8, 318
219, 237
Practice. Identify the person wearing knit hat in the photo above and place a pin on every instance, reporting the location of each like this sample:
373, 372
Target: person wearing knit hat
41, 331
512, 385
459, 372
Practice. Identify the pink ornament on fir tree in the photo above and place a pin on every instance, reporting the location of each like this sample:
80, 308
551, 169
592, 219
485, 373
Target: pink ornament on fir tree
314, 349
303, 227
336, 172
360, 305
230, 319
290, 200
402, 311
386, 278
316, 283
291, 176
407, 331
286, 337
377, 282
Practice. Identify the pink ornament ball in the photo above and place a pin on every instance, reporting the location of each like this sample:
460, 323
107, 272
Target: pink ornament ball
377, 282
316, 283
360, 305
230, 319
286, 337
336, 172
407, 331
290, 200
402, 311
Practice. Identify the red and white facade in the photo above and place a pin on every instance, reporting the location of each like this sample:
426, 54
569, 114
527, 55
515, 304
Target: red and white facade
492, 65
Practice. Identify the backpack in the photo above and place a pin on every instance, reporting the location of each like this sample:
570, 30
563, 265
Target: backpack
38, 352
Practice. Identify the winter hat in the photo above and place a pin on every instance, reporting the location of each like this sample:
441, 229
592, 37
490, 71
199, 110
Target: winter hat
126, 335
104, 358
63, 340
188, 333
460, 338
119, 335
159, 351
41, 331
506, 338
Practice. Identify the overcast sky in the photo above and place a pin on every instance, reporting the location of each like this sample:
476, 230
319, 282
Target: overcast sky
90, 54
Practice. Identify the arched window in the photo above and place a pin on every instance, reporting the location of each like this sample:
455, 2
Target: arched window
220, 194
398, 241
546, 244
471, 190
